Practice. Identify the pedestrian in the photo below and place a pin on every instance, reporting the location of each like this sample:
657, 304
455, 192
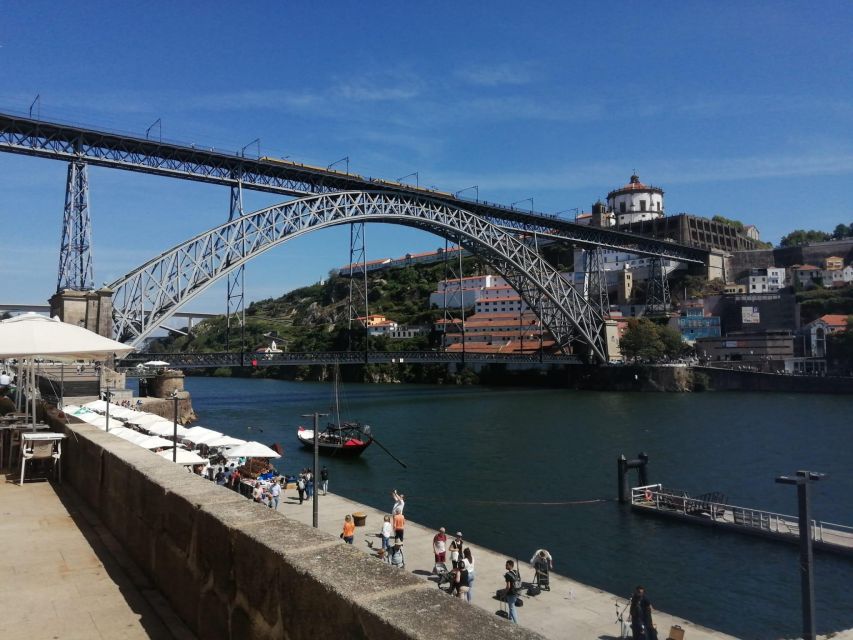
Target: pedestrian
300, 487
399, 502
642, 626
459, 581
349, 529
468, 559
257, 491
220, 476
397, 558
512, 590
399, 526
439, 547
456, 549
275, 494
324, 479
386, 532
309, 485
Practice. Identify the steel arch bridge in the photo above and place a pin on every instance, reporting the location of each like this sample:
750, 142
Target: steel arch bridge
146, 297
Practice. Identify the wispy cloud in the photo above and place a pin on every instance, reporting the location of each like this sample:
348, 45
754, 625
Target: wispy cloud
497, 74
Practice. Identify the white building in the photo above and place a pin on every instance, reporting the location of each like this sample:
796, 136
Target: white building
463, 292
635, 202
768, 280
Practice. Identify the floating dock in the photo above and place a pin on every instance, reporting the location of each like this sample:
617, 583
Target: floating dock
712, 510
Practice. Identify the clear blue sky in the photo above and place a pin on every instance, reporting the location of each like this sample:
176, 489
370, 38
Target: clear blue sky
743, 109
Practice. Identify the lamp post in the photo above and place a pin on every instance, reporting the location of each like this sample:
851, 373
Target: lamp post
803, 480
475, 188
175, 426
416, 176
530, 200
315, 505
107, 396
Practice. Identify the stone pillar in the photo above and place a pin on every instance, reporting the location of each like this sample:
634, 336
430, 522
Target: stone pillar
92, 310
611, 342
166, 383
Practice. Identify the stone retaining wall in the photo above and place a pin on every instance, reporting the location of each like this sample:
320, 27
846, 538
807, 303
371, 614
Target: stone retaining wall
235, 569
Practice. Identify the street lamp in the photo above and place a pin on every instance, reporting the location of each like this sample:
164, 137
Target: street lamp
476, 189
107, 395
256, 141
530, 200
803, 481
314, 503
175, 425
344, 159
415, 174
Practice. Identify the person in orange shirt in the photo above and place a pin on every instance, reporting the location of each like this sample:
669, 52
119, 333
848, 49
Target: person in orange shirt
399, 526
349, 530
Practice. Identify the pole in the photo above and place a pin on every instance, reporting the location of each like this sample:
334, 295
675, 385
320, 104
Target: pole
107, 395
315, 507
175, 426
806, 560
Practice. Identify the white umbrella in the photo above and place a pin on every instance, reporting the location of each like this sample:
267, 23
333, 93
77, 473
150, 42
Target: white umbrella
164, 428
184, 457
145, 419
252, 450
200, 435
156, 363
31, 334
224, 441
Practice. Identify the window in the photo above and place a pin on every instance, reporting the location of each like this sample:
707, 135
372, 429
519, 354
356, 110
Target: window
622, 207
658, 206
642, 205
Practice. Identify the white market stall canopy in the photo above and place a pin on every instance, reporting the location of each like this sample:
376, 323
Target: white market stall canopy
200, 435
144, 419
252, 450
184, 457
31, 334
225, 441
164, 428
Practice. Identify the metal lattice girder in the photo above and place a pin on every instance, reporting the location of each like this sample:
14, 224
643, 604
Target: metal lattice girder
149, 295
65, 142
657, 288
75, 250
357, 301
596, 280
235, 280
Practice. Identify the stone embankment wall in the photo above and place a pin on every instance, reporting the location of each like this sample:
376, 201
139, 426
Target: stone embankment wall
726, 380
235, 569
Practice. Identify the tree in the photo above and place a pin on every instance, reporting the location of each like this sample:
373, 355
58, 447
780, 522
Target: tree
737, 224
673, 344
642, 340
801, 236
842, 231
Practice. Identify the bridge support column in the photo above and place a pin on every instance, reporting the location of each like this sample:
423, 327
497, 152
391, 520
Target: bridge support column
92, 310
596, 281
657, 288
75, 249
357, 306
234, 298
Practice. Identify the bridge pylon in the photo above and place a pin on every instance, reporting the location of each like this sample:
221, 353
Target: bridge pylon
657, 289
357, 304
596, 281
235, 281
75, 250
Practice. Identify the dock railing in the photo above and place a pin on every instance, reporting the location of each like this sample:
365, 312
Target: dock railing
655, 497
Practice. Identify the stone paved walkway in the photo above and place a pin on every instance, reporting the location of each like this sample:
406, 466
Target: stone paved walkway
59, 578
570, 610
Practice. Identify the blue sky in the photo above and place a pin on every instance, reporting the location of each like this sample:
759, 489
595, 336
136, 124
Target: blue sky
741, 109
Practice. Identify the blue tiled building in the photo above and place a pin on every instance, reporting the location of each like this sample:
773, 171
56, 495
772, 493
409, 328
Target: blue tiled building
694, 324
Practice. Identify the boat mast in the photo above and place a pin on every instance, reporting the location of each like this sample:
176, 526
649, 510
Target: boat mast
337, 394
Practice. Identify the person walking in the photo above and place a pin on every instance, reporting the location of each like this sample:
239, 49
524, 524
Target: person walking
275, 494
439, 547
456, 549
324, 479
309, 484
642, 626
468, 560
349, 529
300, 487
513, 587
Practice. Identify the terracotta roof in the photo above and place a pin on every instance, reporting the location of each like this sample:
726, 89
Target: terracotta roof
634, 185
808, 267
835, 320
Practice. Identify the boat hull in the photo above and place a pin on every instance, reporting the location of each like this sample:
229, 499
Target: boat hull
340, 450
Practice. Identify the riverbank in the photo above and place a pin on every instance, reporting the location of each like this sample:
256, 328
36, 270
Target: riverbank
569, 610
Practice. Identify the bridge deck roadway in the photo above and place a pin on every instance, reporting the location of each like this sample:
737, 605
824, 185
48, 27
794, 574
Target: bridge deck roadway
23, 135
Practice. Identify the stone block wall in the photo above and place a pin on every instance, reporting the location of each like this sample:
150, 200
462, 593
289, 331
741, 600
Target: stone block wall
234, 569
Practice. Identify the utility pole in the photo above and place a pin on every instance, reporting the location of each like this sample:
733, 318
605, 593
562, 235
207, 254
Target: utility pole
803, 481
315, 505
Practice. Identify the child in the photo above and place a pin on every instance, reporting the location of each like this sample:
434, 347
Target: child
386, 539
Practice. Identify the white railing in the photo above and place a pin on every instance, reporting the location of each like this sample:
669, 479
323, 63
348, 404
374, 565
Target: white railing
653, 496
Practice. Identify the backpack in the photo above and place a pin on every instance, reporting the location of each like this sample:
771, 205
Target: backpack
516, 581
301, 484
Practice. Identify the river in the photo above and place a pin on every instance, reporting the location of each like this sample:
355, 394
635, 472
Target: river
488, 461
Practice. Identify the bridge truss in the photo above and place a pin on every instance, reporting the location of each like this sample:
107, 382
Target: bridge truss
57, 141
146, 297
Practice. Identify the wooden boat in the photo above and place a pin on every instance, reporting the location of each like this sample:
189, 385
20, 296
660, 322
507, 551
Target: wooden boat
338, 438
343, 439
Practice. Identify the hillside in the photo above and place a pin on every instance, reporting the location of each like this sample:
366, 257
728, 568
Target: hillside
315, 317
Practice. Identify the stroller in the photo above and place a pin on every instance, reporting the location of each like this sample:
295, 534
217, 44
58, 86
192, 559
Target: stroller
444, 576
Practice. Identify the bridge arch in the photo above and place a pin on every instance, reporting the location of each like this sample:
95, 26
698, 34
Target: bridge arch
149, 295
